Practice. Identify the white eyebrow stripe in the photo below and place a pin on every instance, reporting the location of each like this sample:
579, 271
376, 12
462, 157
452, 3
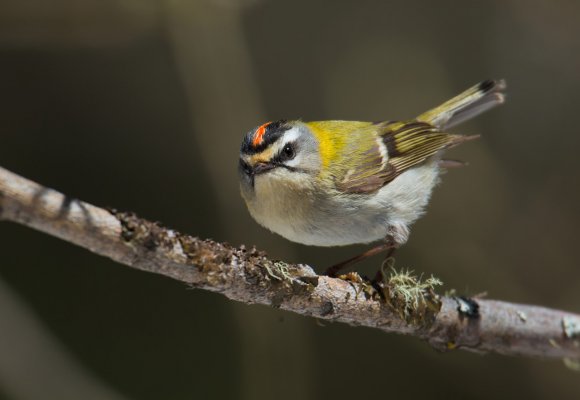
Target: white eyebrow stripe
290, 135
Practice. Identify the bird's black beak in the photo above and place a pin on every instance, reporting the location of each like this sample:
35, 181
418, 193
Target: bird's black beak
260, 168
248, 173
257, 169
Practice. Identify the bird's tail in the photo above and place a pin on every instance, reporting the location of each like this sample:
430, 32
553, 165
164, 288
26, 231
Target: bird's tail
467, 105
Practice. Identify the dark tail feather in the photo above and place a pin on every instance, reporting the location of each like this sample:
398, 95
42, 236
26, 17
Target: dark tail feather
472, 102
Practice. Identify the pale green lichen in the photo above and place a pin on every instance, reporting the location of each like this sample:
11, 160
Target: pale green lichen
279, 271
411, 297
290, 281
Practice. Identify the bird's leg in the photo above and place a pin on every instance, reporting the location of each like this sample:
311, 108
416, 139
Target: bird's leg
379, 277
388, 245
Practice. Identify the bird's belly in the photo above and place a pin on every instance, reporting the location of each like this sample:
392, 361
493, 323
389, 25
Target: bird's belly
339, 231
321, 221
339, 220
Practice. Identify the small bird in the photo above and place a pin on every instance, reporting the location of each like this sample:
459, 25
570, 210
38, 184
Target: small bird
337, 183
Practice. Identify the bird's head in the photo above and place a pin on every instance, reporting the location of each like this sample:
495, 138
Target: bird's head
278, 153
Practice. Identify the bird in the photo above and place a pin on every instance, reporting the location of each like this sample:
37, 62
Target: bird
339, 183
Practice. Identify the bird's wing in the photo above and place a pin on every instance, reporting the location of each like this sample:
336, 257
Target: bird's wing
398, 147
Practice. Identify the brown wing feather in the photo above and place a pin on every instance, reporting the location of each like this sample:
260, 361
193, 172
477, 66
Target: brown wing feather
407, 144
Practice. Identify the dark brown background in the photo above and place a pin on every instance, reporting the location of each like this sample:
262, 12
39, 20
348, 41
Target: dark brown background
141, 105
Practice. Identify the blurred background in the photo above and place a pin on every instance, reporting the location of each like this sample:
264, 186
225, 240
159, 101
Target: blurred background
142, 104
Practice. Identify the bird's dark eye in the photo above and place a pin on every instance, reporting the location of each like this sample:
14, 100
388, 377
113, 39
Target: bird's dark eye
288, 152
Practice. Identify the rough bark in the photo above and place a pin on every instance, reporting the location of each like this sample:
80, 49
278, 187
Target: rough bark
247, 275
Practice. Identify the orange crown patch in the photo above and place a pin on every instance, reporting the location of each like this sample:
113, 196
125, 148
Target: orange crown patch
259, 135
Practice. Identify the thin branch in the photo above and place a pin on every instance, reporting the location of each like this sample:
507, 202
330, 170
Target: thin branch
247, 275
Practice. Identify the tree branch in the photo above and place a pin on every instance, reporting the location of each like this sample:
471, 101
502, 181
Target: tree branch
247, 275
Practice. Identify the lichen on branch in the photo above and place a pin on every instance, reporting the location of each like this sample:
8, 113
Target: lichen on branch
399, 302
